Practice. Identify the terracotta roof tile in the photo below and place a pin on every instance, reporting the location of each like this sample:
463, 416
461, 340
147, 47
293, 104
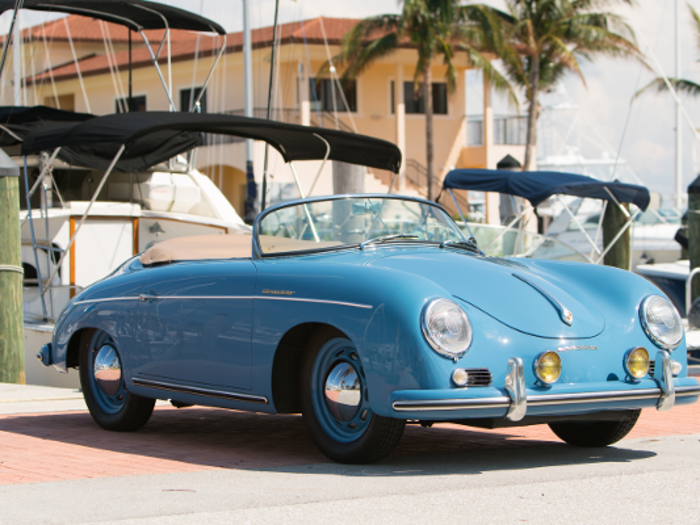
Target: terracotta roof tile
183, 44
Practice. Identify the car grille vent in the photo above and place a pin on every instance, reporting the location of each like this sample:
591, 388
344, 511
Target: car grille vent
651, 368
479, 377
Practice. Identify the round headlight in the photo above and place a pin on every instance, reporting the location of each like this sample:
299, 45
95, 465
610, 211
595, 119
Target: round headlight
661, 322
637, 362
548, 367
446, 328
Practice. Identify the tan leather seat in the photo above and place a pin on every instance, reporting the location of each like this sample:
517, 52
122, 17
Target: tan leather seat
199, 247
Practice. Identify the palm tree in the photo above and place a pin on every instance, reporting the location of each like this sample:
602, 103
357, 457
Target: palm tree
548, 38
680, 85
437, 29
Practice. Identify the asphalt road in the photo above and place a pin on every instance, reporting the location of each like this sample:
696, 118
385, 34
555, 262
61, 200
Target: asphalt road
648, 480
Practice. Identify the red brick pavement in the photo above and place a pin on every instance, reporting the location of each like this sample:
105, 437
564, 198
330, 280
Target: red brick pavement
51, 447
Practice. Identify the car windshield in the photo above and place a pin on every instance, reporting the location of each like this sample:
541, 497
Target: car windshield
326, 224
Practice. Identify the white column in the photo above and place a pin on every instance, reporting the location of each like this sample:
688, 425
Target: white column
304, 104
493, 200
16, 65
678, 190
400, 113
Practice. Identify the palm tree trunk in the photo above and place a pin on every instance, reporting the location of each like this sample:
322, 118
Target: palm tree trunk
531, 142
428, 103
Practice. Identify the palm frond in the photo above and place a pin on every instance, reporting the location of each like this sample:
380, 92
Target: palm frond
681, 86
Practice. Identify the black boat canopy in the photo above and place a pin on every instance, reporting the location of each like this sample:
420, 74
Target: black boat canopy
154, 136
137, 15
20, 120
538, 186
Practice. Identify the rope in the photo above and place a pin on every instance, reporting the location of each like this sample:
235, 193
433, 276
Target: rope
11, 268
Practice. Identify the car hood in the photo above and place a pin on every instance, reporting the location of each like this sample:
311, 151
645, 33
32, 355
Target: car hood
521, 297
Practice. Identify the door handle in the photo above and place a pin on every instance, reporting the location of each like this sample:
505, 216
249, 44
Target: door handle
145, 297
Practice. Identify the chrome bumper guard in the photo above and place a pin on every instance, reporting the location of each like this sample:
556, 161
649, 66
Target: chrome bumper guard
517, 401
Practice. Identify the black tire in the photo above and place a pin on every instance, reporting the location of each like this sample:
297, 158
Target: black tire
373, 437
595, 433
119, 410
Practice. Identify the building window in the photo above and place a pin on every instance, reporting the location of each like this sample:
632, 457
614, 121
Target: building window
416, 105
321, 95
186, 99
65, 102
138, 104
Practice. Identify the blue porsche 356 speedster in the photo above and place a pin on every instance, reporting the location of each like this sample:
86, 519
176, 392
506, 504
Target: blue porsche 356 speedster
363, 312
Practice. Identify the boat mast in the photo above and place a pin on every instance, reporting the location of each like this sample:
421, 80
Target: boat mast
678, 189
251, 192
269, 102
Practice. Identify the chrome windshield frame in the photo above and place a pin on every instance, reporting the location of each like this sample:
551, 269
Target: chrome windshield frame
257, 250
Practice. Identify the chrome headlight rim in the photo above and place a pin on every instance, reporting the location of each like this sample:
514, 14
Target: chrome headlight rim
653, 337
434, 344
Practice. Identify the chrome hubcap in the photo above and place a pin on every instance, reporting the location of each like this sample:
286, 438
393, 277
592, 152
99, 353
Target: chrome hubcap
343, 392
107, 370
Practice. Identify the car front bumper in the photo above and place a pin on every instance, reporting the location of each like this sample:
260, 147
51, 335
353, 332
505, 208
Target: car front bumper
515, 400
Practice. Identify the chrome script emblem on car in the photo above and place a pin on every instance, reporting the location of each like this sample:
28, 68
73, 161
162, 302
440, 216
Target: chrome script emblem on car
278, 292
576, 347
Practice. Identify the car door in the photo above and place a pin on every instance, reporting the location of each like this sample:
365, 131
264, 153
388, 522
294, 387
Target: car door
195, 324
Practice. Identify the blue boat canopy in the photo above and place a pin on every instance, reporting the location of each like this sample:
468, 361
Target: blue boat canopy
538, 186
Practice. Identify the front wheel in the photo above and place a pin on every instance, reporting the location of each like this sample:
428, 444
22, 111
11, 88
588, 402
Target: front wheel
335, 404
595, 433
110, 404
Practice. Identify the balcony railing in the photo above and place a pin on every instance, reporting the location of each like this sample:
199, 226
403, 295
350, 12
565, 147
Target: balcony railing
507, 130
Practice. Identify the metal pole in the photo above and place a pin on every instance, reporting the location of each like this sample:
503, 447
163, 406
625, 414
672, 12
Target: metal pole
269, 101
160, 73
131, 91
31, 232
17, 66
251, 187
678, 189
9, 36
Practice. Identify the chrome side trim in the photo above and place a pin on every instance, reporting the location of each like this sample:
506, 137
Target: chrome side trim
451, 404
208, 297
515, 386
320, 301
539, 400
87, 301
199, 391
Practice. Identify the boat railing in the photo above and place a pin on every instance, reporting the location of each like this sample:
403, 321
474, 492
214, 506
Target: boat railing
688, 289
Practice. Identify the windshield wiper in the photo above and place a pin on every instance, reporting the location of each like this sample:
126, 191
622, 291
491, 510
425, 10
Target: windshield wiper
386, 238
469, 244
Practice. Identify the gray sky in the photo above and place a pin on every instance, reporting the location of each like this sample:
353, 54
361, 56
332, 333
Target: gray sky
648, 143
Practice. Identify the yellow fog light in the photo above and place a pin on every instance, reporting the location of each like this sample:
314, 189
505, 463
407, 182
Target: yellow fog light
637, 362
548, 367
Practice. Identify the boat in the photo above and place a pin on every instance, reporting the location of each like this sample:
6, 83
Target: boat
82, 214
537, 187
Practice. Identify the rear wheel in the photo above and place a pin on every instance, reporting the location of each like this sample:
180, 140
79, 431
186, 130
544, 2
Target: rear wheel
595, 433
110, 404
335, 404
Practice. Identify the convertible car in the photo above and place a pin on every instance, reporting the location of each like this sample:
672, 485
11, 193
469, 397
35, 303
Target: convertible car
365, 312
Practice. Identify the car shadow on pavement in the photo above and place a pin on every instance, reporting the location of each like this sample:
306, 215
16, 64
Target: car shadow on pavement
201, 438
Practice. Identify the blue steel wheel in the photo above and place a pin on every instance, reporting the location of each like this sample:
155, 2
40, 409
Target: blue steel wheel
110, 404
335, 403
